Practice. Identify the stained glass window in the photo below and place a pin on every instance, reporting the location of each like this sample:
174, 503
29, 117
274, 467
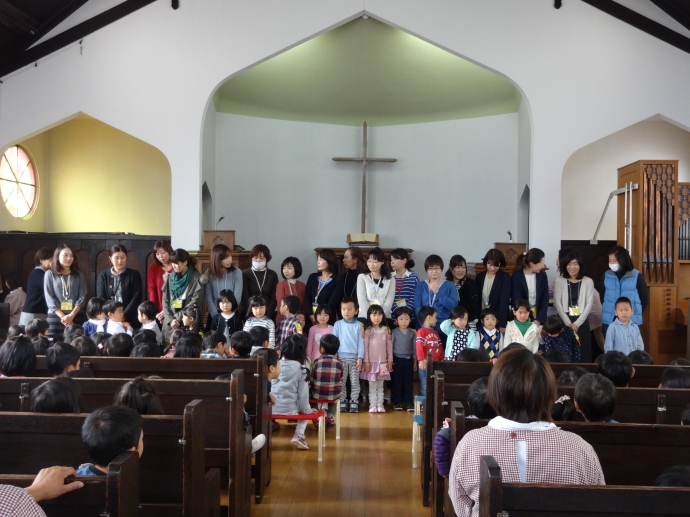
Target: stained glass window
18, 182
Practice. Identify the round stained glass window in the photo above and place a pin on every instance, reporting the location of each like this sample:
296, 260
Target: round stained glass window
18, 182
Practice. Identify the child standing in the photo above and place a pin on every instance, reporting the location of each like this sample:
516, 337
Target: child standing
289, 305
147, 316
378, 357
459, 335
427, 341
623, 334
349, 332
256, 315
490, 339
559, 337
404, 365
521, 329
291, 388
226, 321
318, 331
98, 321
327, 375
116, 318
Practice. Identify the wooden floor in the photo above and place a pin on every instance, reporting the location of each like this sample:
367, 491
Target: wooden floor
367, 473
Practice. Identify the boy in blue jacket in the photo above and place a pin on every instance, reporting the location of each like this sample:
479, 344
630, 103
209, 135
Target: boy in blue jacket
623, 334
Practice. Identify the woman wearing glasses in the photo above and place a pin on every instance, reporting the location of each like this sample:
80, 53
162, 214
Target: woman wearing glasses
436, 292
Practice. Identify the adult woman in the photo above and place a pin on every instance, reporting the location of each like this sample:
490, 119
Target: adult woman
35, 304
122, 284
573, 296
64, 288
222, 275
321, 286
16, 296
405, 283
259, 280
468, 292
355, 265
182, 288
376, 286
494, 286
529, 282
291, 270
523, 440
435, 292
622, 279
155, 276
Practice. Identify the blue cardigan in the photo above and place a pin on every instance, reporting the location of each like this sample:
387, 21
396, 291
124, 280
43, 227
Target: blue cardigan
499, 297
446, 300
519, 291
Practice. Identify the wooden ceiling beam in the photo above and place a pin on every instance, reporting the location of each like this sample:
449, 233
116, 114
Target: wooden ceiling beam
16, 19
672, 9
76, 33
643, 23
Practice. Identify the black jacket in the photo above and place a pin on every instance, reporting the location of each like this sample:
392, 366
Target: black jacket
217, 323
330, 295
35, 302
499, 297
470, 298
519, 291
131, 292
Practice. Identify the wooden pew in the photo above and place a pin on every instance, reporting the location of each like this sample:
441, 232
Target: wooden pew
116, 494
457, 372
255, 372
521, 499
228, 447
174, 478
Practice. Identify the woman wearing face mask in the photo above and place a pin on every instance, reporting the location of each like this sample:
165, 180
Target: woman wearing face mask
529, 282
494, 286
622, 279
122, 284
259, 280
156, 275
222, 276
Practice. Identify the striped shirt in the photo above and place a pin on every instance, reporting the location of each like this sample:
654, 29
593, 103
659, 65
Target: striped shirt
265, 321
405, 287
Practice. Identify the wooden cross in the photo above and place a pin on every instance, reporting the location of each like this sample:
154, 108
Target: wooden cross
365, 160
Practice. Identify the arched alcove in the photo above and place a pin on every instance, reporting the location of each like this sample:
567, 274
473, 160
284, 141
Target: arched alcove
523, 216
207, 208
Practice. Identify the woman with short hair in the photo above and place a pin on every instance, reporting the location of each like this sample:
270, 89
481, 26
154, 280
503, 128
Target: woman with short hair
259, 280
121, 284
522, 439
35, 304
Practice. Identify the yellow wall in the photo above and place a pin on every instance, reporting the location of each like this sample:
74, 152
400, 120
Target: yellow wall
103, 180
95, 178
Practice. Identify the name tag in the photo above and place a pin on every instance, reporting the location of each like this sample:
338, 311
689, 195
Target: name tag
66, 306
298, 328
574, 311
401, 303
313, 309
533, 310
176, 304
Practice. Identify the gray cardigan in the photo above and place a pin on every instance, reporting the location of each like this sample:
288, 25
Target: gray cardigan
52, 285
231, 280
584, 299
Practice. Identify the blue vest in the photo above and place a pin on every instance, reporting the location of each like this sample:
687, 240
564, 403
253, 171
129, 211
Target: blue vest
626, 286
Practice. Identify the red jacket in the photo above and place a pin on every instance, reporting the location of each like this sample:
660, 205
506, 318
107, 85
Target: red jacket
283, 290
427, 341
154, 285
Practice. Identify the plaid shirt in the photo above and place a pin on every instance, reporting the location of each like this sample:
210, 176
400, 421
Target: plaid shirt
326, 377
16, 502
554, 457
288, 326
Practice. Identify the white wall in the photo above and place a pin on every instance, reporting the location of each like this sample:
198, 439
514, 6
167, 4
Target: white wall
208, 166
524, 170
591, 173
151, 75
452, 189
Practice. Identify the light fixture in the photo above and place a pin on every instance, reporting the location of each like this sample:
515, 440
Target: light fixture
365, 17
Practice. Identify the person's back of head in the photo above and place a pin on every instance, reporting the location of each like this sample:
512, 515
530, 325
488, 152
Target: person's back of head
640, 357
62, 358
680, 361
58, 395
140, 395
72, 332
188, 346
556, 355
675, 377
41, 344
81, 374
570, 376
17, 357
16, 331
563, 409
94, 307
211, 340
119, 345
145, 350
36, 327
145, 337
272, 358
685, 416
100, 338
292, 303
512, 346
472, 355
617, 367
3, 336
85, 346
424, 313
595, 397
330, 344
553, 325
259, 335
110, 431
478, 399
241, 342
678, 476
522, 387
295, 348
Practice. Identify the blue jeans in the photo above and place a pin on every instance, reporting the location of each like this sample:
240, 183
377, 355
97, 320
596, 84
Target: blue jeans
402, 377
422, 382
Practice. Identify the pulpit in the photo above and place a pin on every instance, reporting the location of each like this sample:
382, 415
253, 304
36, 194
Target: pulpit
240, 258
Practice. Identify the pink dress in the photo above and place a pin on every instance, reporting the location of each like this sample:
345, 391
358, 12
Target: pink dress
314, 340
378, 350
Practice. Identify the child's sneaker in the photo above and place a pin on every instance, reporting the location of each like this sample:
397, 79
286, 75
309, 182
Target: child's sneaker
372, 409
354, 407
299, 441
410, 408
380, 408
258, 442
330, 423
397, 407
343, 406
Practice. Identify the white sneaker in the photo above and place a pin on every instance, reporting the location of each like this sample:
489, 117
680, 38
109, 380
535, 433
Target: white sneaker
299, 441
258, 442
